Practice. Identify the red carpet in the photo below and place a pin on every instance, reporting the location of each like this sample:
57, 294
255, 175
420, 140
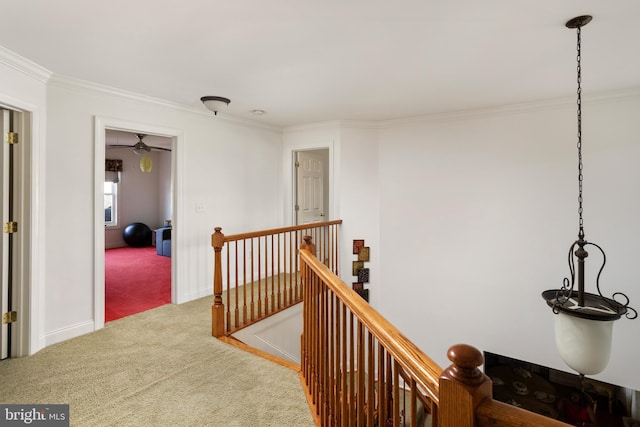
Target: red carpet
136, 279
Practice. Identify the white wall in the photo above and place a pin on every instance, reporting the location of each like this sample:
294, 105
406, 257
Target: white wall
359, 200
230, 168
477, 215
237, 199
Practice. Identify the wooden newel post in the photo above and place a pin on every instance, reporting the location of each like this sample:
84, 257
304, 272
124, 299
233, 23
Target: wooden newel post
308, 245
217, 309
311, 247
462, 387
307, 310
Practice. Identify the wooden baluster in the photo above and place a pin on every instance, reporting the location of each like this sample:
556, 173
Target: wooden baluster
280, 300
273, 289
236, 313
259, 263
289, 283
370, 380
352, 366
245, 318
462, 387
360, 398
344, 413
334, 378
217, 309
253, 284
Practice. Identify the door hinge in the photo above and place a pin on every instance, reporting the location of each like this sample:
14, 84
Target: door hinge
9, 317
297, 164
11, 227
12, 138
297, 208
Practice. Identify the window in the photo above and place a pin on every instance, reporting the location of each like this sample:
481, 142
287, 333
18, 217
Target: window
110, 204
112, 171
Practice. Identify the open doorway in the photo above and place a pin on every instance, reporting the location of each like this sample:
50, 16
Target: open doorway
175, 136
311, 186
137, 221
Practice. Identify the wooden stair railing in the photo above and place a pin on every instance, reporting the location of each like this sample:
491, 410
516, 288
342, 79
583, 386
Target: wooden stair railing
256, 274
359, 370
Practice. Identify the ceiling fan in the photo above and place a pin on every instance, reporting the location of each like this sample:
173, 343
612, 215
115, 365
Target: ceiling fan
140, 147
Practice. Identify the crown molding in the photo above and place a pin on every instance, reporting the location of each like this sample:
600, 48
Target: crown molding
23, 65
335, 124
83, 85
360, 124
547, 104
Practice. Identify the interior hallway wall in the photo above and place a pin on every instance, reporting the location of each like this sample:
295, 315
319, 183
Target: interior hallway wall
477, 214
216, 190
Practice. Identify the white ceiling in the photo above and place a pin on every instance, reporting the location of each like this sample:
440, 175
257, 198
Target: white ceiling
311, 61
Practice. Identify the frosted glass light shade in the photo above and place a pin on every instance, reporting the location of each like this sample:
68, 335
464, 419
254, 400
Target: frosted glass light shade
146, 164
584, 344
215, 103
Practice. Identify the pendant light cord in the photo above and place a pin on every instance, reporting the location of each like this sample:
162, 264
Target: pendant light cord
579, 102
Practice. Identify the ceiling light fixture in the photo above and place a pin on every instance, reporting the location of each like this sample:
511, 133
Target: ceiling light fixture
215, 103
258, 112
584, 321
140, 147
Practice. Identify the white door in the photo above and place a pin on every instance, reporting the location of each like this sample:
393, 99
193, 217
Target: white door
4, 246
310, 187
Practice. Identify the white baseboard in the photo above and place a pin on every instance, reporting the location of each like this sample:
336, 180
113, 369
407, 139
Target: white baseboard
194, 295
69, 332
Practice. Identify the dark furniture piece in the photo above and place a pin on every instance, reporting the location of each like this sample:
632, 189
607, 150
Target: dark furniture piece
163, 241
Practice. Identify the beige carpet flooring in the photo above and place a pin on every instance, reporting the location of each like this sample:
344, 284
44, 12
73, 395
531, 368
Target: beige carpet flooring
158, 368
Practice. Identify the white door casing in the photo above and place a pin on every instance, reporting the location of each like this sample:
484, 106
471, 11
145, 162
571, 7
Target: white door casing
12, 173
101, 125
4, 265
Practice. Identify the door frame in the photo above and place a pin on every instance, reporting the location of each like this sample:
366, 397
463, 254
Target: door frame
28, 266
311, 137
177, 137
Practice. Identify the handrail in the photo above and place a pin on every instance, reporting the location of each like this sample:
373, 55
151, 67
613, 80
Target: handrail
426, 371
350, 381
359, 369
251, 234
259, 271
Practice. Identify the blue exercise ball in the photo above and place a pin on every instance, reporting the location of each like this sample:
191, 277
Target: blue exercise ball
137, 235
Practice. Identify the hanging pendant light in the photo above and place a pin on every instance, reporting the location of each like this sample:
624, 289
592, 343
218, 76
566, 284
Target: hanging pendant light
146, 164
584, 321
